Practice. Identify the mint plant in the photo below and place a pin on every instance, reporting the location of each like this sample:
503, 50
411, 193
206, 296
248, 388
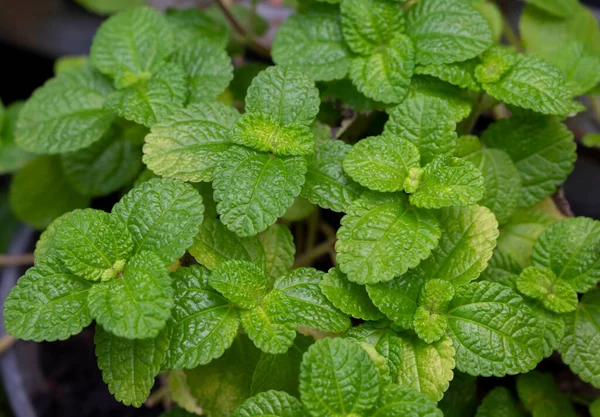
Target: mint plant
362, 229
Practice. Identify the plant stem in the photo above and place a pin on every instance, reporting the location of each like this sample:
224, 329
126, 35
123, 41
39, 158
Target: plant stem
314, 253
467, 126
157, 396
6, 342
511, 36
16, 260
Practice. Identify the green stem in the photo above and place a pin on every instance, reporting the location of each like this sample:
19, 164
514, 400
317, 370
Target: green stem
467, 126
511, 36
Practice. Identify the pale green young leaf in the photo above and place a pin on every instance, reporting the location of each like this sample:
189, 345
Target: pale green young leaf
369, 24
187, 145
137, 305
270, 404
278, 244
381, 163
541, 147
461, 74
493, 331
558, 8
271, 325
241, 282
385, 75
399, 401
311, 41
326, 184
48, 303
40, 192
541, 396
93, 244
203, 323
571, 249
68, 62
129, 366
338, 378
349, 297
253, 189
132, 45
446, 31
12, 157
498, 401
492, 13
385, 341
448, 181
192, 24
591, 140
555, 294
301, 209
181, 394
216, 244
308, 303
461, 398
367, 249
163, 216
66, 114
429, 321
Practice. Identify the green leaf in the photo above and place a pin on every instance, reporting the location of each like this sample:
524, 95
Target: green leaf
559, 8
591, 140
446, 31
311, 41
131, 46
12, 157
108, 164
187, 145
571, 249
40, 192
66, 114
150, 101
347, 296
216, 244
138, 305
208, 68
271, 325
541, 147
502, 181
68, 62
385, 342
501, 267
555, 294
278, 244
192, 24
542, 397
93, 244
381, 163
48, 303
459, 102
309, 304
493, 331
253, 189
129, 366
163, 216
203, 324
270, 404
338, 378
429, 321
241, 282
285, 94
177, 412
107, 7
45, 247
460, 74
498, 401
385, 75
367, 249
398, 401
595, 408
492, 13
301, 209
448, 181
460, 399
369, 24
181, 394
327, 185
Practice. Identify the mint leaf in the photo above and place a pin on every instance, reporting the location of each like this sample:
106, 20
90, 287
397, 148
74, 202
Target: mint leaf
327, 185
45, 247
540, 283
544, 159
66, 114
381, 163
447, 31
181, 393
498, 401
458, 102
241, 282
559, 8
447, 181
366, 249
216, 244
137, 305
163, 216
571, 249
429, 321
541, 396
132, 45
338, 378
48, 303
187, 145
93, 244
492, 330
501, 267
384, 340
192, 24
278, 244
347, 296
311, 41
460, 74
12, 157
385, 75
307, 302
270, 404
253, 189
398, 401
129, 366
203, 324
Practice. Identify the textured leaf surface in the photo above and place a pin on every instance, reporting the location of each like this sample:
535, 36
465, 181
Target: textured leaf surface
270, 404
446, 31
163, 216
498, 401
338, 378
48, 303
555, 294
398, 401
252, 189
137, 305
461, 74
129, 366
385, 341
241, 282
367, 246
203, 324
278, 244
